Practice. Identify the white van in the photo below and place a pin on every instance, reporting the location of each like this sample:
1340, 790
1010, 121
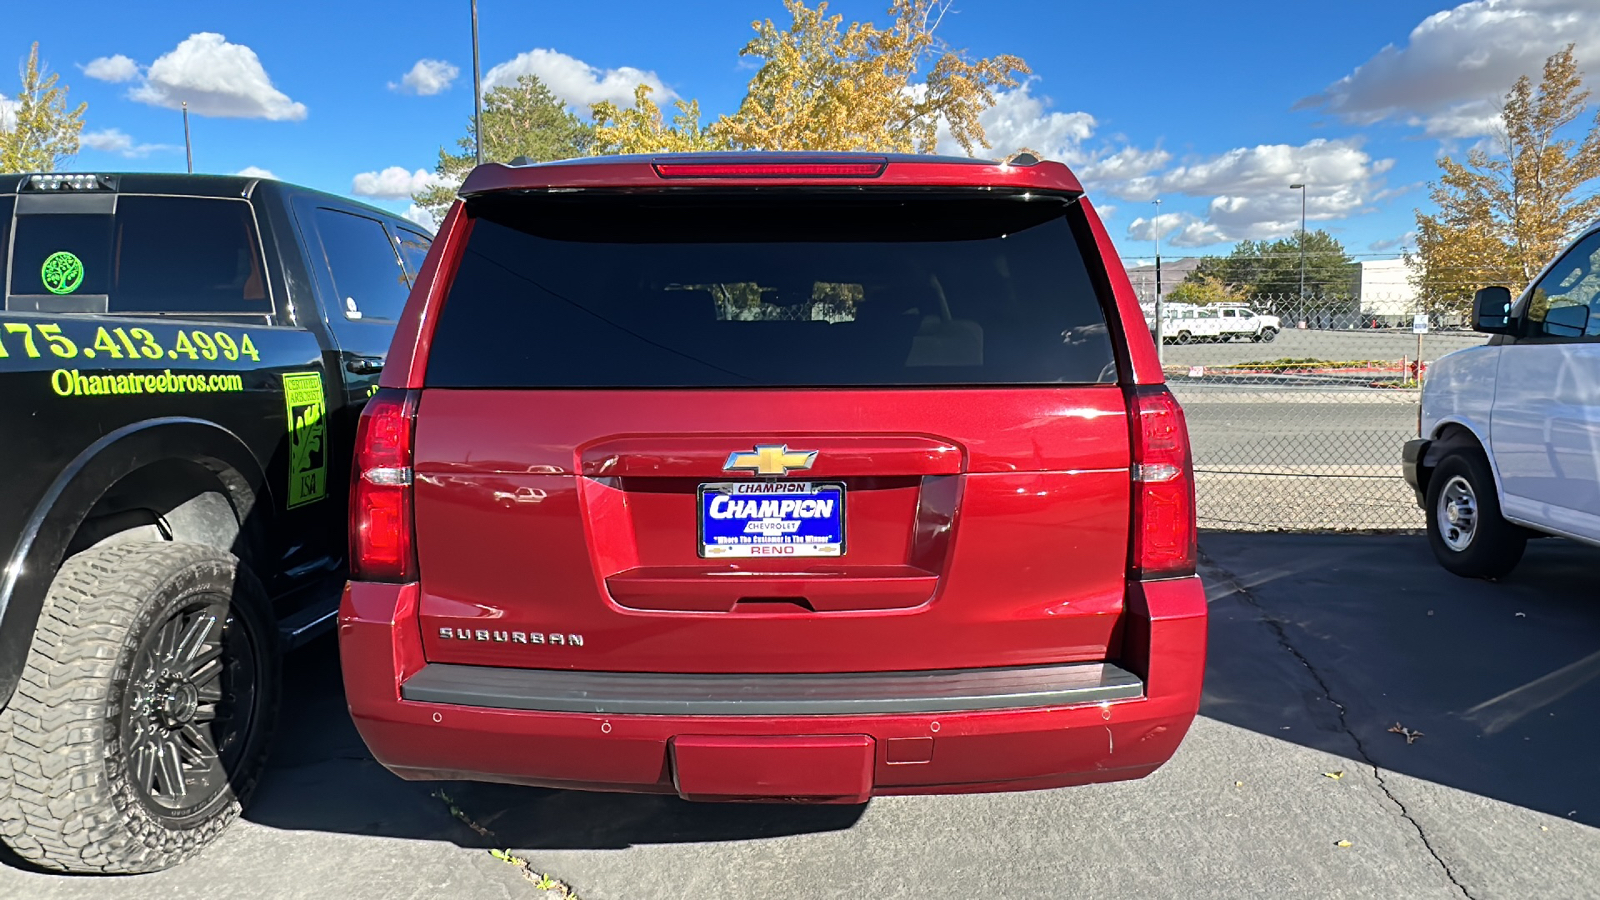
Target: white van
1509, 433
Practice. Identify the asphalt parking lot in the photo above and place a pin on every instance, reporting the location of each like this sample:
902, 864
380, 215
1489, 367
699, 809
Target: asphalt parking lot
1320, 644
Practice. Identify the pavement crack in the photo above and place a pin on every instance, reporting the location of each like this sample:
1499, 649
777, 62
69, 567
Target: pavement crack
1273, 622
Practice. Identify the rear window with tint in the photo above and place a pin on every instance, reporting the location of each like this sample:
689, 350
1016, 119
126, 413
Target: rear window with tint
772, 289
156, 254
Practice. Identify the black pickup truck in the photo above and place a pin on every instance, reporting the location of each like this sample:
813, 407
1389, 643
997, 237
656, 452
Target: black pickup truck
182, 362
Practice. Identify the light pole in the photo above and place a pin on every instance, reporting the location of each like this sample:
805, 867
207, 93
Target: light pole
1302, 189
477, 91
1155, 224
188, 148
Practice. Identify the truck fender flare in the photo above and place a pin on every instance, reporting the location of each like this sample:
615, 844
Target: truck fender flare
41, 547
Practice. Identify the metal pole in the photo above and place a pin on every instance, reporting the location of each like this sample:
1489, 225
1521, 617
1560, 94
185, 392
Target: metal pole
188, 148
1160, 325
477, 90
1302, 246
1300, 186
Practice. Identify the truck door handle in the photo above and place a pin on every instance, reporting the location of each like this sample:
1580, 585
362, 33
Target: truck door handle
364, 365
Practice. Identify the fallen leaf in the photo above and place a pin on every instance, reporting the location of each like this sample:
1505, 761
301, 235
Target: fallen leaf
1544, 827
1342, 844
1411, 735
1334, 775
1238, 784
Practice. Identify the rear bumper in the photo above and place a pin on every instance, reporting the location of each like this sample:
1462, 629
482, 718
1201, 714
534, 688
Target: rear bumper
1411, 456
1052, 739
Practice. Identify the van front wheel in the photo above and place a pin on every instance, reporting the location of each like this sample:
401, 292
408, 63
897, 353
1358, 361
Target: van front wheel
1469, 536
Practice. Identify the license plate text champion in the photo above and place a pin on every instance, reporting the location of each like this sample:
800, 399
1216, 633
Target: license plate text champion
771, 518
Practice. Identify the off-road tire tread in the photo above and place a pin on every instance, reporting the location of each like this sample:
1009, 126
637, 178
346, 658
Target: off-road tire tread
59, 807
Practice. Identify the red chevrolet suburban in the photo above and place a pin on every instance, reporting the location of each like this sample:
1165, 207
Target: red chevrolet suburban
773, 477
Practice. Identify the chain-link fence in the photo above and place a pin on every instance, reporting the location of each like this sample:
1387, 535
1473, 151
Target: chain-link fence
1298, 406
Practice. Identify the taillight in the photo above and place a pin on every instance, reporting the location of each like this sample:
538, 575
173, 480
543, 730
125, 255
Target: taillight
381, 545
1163, 486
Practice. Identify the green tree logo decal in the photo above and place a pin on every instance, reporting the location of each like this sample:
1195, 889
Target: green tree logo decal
61, 273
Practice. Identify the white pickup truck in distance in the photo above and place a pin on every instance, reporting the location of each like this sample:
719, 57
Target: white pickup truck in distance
1188, 323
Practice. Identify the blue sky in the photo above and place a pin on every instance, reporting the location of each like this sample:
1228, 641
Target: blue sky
1213, 107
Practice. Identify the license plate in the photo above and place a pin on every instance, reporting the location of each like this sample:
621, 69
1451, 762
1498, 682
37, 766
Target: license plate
771, 518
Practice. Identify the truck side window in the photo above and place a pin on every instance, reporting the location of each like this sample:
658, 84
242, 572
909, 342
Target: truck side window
1572, 286
366, 270
413, 250
186, 254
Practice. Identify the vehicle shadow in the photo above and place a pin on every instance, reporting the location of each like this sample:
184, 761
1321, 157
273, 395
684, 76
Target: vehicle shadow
321, 778
1502, 679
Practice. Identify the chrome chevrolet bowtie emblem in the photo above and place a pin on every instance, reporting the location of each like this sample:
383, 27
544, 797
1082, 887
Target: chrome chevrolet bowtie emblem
770, 459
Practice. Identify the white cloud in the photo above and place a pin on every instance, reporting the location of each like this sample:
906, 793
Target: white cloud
114, 140
393, 183
255, 172
116, 68
1457, 63
421, 216
1178, 230
427, 77
1249, 190
1020, 119
107, 140
1389, 245
1246, 188
216, 78
1464, 120
575, 82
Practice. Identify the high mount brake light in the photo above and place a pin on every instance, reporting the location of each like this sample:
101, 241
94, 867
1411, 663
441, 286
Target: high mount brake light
867, 168
382, 545
1163, 486
58, 182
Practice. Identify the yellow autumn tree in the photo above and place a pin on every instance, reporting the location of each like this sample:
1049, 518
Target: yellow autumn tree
38, 132
1503, 215
824, 86
642, 129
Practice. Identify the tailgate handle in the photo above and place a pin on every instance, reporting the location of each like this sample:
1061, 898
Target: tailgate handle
768, 605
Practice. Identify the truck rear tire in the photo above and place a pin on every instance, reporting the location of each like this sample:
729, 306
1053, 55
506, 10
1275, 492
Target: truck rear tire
1468, 534
144, 711
1185, 337
1264, 335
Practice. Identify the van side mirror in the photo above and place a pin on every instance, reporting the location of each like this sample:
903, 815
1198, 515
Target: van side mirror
1491, 311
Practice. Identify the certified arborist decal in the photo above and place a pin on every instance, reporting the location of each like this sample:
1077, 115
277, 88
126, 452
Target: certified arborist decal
62, 272
308, 437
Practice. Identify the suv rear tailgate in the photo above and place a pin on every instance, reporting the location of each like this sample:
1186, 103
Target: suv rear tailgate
982, 563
